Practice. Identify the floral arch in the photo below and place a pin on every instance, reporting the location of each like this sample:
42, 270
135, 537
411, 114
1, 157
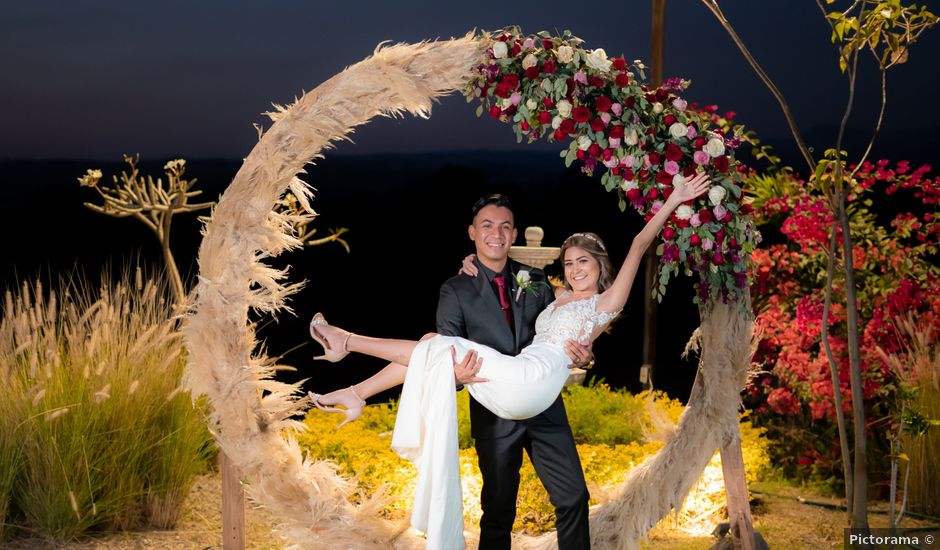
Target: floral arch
544, 86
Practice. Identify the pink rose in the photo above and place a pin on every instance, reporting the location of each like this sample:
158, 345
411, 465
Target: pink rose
672, 167
606, 118
707, 244
692, 132
616, 109
720, 212
656, 205
614, 142
627, 161
695, 220
701, 157
515, 98
580, 77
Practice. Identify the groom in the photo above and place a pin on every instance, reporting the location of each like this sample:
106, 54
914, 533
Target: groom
485, 309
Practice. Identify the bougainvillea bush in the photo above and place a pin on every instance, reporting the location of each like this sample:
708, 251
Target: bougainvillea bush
643, 138
893, 213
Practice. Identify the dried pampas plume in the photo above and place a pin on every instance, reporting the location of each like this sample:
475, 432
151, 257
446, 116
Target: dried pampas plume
308, 496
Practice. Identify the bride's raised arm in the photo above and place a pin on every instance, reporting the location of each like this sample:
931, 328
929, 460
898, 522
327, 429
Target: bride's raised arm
616, 296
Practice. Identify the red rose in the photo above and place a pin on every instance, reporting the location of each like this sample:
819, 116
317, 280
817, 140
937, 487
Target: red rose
607, 154
532, 72
643, 175
622, 80
503, 90
524, 126
511, 80
668, 191
733, 243
720, 235
547, 101
516, 48
651, 131
664, 178
602, 104
700, 142
689, 170
628, 174
653, 193
661, 94
655, 158
683, 223
669, 233
717, 259
545, 117
747, 209
669, 120
597, 125
594, 150
549, 66
560, 135
629, 101
494, 111
569, 87
616, 169
619, 64
547, 44
673, 152
705, 215
567, 126
616, 131
580, 154
695, 240
721, 163
596, 81
633, 194
580, 113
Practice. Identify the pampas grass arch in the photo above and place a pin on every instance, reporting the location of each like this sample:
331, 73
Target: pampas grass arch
251, 412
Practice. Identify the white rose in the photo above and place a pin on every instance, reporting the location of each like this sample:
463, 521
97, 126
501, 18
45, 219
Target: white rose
678, 130
556, 122
530, 104
523, 277
565, 54
716, 194
680, 104
657, 107
584, 143
628, 185
564, 108
684, 212
506, 103
529, 61
500, 49
715, 147
631, 138
597, 60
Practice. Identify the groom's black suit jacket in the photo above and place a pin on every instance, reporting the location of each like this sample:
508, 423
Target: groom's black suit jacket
469, 307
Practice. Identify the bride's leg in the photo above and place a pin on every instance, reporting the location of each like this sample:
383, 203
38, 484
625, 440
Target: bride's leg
390, 349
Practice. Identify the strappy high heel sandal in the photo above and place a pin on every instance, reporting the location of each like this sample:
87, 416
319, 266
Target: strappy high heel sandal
329, 354
352, 413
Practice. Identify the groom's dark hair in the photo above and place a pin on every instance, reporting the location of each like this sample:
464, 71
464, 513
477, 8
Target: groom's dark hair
496, 199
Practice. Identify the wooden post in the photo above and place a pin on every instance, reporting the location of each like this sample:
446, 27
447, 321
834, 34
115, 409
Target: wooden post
651, 275
233, 506
739, 508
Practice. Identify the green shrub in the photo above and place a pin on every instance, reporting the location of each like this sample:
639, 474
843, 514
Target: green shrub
607, 424
106, 437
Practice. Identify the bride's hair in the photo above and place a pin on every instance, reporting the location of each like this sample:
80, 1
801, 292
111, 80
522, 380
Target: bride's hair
593, 245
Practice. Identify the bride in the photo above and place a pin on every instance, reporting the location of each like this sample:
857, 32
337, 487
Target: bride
517, 387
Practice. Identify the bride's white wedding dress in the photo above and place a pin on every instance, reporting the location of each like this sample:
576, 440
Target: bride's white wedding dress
518, 387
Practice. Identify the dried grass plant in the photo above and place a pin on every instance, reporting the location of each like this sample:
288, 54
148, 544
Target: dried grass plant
95, 432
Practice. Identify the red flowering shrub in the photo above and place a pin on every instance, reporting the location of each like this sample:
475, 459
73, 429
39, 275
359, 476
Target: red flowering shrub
896, 275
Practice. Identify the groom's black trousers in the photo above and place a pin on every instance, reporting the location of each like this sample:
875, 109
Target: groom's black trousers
555, 457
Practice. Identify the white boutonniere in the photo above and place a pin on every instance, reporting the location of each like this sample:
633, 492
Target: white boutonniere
524, 282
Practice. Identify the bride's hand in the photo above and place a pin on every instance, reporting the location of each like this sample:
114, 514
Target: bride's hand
691, 188
468, 267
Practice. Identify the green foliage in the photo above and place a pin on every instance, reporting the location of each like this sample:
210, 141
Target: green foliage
607, 424
103, 435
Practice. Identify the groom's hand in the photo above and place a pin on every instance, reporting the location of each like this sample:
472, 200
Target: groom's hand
581, 355
465, 371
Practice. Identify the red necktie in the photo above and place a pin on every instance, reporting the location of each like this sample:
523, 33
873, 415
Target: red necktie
504, 297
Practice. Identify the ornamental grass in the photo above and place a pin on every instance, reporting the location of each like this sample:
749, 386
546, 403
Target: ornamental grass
608, 426
94, 431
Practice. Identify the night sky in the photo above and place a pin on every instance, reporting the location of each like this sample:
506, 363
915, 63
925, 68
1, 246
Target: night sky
90, 81
93, 80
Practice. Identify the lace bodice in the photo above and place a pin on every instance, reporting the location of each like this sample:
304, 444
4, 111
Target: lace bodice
576, 319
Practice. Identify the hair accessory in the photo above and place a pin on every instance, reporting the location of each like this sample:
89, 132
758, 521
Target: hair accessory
589, 237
